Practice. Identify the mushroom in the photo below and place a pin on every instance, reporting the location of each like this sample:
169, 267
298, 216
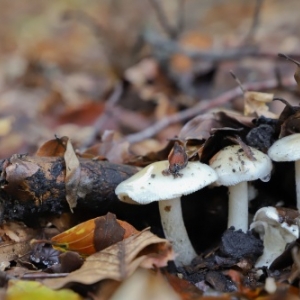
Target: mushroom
149, 185
288, 149
234, 169
276, 227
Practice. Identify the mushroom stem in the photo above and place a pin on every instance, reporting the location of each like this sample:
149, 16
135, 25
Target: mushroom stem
297, 181
175, 231
238, 206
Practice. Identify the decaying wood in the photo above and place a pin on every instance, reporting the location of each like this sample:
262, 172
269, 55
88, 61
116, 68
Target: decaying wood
34, 186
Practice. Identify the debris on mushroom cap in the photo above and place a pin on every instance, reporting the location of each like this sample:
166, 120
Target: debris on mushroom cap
271, 225
233, 166
150, 184
285, 217
286, 148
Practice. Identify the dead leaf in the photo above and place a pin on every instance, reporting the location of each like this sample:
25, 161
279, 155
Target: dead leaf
55, 147
72, 174
256, 103
24, 289
184, 288
109, 148
15, 238
93, 235
120, 260
19, 169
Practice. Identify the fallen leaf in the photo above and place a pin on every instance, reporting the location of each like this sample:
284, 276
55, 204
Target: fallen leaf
15, 241
93, 235
109, 148
184, 288
72, 175
120, 260
255, 103
55, 147
19, 169
33, 290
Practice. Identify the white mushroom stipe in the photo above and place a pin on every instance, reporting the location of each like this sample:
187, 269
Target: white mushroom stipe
234, 169
288, 149
150, 185
175, 231
238, 202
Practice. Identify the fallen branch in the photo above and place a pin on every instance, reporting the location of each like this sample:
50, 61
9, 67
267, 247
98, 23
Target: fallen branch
33, 186
205, 105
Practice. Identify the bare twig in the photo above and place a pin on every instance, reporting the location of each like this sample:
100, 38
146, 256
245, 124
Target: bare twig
104, 117
205, 105
255, 22
166, 48
180, 16
237, 81
163, 20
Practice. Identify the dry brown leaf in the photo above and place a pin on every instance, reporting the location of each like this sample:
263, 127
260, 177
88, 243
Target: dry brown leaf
109, 148
55, 147
19, 169
15, 241
184, 288
119, 261
72, 175
255, 103
146, 285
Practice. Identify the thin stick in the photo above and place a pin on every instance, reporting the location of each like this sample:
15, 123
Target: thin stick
106, 115
180, 17
205, 105
162, 19
255, 22
238, 81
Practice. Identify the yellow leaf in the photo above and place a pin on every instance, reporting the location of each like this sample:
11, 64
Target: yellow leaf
33, 290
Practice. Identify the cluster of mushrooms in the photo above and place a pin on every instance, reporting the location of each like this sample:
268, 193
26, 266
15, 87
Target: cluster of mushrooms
167, 181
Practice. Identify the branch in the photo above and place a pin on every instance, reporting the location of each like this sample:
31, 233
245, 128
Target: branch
255, 22
163, 20
205, 105
106, 115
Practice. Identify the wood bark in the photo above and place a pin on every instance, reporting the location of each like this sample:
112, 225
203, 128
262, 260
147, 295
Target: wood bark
32, 186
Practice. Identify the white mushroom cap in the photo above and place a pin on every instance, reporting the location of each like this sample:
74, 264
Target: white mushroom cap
275, 232
233, 166
272, 216
150, 184
286, 148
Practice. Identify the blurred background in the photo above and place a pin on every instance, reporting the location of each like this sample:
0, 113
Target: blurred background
80, 68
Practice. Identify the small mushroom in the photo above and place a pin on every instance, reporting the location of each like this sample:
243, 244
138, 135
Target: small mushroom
288, 149
276, 227
234, 169
149, 185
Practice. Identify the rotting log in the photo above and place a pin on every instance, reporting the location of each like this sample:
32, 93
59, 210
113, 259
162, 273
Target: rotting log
33, 186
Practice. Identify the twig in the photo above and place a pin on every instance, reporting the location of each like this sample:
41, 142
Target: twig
180, 16
255, 22
164, 48
237, 81
205, 105
106, 115
43, 275
163, 20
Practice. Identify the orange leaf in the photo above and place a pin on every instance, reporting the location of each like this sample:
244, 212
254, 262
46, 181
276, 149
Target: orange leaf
55, 147
93, 235
119, 261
